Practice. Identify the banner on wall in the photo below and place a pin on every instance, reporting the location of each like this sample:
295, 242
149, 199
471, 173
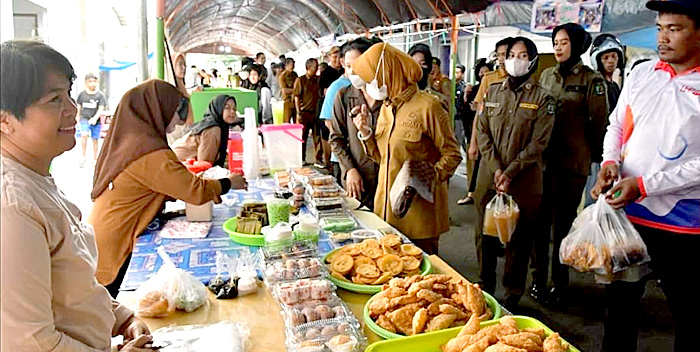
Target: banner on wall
547, 14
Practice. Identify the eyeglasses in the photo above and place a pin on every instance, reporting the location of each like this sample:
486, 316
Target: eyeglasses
183, 108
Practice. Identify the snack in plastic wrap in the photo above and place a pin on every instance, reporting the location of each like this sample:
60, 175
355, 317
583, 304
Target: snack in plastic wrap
278, 211
427, 303
337, 335
224, 336
501, 217
325, 180
602, 240
170, 284
296, 250
338, 223
236, 276
302, 291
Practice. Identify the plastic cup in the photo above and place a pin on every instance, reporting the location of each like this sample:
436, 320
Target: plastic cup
278, 112
277, 211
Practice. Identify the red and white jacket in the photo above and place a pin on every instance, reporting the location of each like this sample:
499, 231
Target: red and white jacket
654, 135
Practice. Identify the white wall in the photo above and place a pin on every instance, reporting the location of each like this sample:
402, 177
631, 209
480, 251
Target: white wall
7, 26
489, 36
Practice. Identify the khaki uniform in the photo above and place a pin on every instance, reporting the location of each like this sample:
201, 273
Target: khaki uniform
577, 140
286, 80
512, 132
419, 128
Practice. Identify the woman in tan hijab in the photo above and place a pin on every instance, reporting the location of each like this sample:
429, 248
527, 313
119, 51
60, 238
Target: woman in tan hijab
412, 125
136, 172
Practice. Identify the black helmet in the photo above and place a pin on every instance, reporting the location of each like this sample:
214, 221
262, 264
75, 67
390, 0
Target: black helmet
605, 43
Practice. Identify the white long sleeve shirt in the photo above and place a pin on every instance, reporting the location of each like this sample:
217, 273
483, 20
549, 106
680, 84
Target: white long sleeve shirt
654, 135
50, 300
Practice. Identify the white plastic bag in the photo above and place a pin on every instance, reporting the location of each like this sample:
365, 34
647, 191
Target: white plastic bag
415, 177
168, 289
602, 240
225, 336
501, 217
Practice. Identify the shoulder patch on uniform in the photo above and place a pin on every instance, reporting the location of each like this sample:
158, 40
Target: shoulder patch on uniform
551, 108
599, 88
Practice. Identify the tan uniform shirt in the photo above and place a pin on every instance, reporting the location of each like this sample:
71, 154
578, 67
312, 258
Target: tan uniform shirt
418, 128
286, 80
582, 117
513, 132
138, 193
493, 77
308, 91
203, 147
50, 298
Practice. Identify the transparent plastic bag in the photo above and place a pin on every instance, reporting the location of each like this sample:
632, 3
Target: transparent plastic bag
225, 336
236, 276
501, 217
168, 289
602, 240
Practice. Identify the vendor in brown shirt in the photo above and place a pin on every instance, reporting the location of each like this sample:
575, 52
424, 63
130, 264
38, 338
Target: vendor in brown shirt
307, 94
286, 81
136, 172
207, 139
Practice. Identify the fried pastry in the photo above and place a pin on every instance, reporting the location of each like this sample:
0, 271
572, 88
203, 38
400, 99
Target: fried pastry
439, 322
537, 331
449, 309
390, 240
500, 347
384, 278
410, 263
428, 295
368, 271
472, 326
420, 285
398, 282
393, 292
553, 343
391, 263
379, 306
339, 276
475, 300
419, 321
402, 319
479, 346
403, 300
411, 250
385, 323
523, 340
342, 264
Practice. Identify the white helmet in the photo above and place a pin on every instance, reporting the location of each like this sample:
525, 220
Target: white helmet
603, 44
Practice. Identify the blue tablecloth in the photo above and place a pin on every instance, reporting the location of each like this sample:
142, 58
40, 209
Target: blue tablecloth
198, 255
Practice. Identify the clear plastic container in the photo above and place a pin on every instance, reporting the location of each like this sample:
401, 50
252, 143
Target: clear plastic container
303, 291
293, 269
283, 145
277, 211
322, 180
339, 222
302, 314
338, 335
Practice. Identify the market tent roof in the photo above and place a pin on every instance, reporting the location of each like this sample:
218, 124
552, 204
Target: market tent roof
279, 26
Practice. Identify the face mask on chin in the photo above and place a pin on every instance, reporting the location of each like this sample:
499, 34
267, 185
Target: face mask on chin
373, 89
243, 74
356, 81
423, 83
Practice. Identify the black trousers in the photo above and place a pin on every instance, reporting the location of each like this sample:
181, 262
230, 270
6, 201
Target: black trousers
560, 201
311, 126
674, 261
113, 288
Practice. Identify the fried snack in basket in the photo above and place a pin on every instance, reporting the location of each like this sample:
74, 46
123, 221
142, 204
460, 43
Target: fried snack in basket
339, 276
411, 250
441, 309
342, 264
391, 263
402, 319
504, 336
419, 321
390, 240
386, 264
441, 321
554, 344
386, 324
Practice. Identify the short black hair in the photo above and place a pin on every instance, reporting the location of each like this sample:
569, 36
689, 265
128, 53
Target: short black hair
360, 44
461, 67
257, 68
310, 62
695, 17
505, 41
282, 58
437, 61
25, 65
259, 55
288, 61
193, 66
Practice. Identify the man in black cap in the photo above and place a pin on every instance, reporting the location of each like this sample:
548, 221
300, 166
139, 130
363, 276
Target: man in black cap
651, 167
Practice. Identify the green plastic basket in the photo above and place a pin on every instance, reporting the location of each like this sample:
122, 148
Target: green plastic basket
257, 240
426, 267
490, 302
431, 341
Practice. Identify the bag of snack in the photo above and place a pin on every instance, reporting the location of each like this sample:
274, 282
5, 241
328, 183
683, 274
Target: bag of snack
602, 240
501, 216
168, 289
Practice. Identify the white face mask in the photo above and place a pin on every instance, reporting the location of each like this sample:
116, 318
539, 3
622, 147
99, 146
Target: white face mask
244, 74
356, 81
373, 89
517, 67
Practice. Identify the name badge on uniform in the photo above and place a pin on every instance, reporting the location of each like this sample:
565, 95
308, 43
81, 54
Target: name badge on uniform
489, 104
529, 106
599, 88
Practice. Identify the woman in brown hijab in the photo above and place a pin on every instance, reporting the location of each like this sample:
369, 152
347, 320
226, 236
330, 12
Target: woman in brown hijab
412, 125
136, 172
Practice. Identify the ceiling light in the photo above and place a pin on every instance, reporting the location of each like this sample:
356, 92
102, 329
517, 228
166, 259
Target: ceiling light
221, 48
228, 49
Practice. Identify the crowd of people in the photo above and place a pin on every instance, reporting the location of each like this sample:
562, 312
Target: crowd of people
371, 111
